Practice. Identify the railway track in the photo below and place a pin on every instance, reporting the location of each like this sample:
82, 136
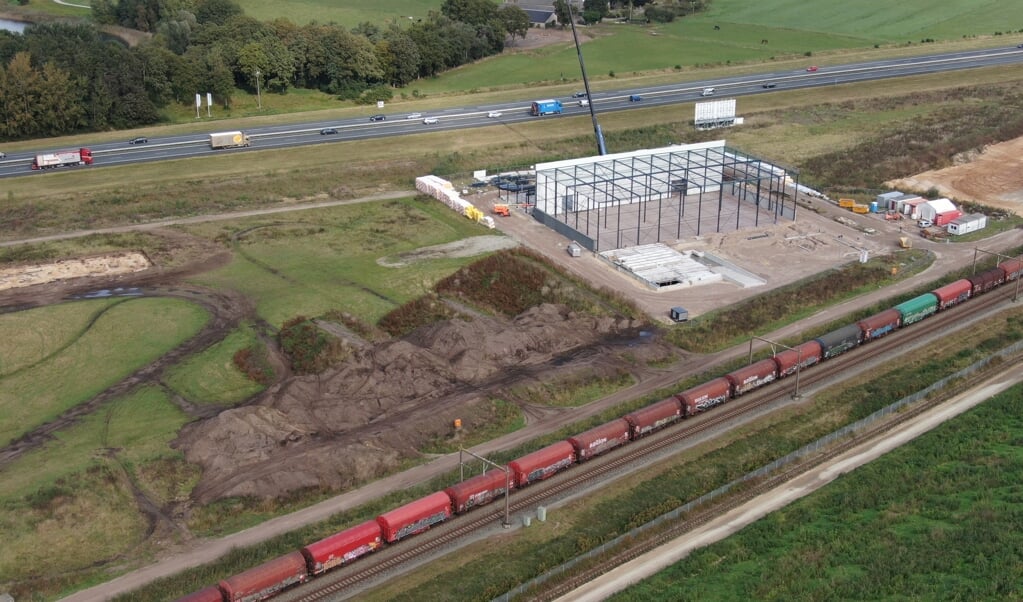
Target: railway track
343, 582
701, 517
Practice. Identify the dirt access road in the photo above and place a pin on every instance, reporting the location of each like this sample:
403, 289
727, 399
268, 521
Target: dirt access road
731, 522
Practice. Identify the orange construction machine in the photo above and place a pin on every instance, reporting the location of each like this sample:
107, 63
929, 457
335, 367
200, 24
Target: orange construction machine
502, 210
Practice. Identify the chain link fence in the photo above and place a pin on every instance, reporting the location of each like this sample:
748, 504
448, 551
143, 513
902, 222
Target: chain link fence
807, 450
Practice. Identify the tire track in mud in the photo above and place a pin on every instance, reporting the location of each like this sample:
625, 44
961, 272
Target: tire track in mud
226, 309
237, 247
71, 341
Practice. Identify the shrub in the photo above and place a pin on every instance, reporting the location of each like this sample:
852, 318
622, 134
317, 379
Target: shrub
310, 349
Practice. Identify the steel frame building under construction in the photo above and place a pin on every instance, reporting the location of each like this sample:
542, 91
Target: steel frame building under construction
661, 195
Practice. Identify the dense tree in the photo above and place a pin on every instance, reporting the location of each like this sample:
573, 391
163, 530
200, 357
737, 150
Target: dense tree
176, 33
74, 79
595, 10
158, 64
217, 11
473, 12
20, 97
514, 19
399, 57
561, 11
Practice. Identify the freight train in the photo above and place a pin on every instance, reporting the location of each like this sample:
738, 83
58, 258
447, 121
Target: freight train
268, 579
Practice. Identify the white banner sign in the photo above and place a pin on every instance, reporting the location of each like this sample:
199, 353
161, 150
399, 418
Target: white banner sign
198, 100
209, 99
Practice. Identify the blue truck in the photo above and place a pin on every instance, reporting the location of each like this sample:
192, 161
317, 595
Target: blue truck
546, 107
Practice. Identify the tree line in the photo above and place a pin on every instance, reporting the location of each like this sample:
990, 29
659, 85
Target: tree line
57, 79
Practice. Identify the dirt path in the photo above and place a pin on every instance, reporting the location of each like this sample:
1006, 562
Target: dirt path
199, 219
759, 507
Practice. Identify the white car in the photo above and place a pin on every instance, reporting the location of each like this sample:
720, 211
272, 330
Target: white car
494, 114
584, 103
414, 116
430, 120
3, 155
925, 223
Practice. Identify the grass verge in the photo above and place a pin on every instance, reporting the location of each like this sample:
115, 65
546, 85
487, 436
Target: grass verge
930, 520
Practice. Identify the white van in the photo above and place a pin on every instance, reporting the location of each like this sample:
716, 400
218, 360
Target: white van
707, 92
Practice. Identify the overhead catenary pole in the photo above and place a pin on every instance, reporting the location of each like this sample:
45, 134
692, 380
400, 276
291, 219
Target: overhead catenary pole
601, 148
976, 250
799, 358
507, 481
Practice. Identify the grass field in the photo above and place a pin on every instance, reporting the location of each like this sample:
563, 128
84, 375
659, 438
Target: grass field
866, 20
326, 259
69, 504
123, 337
211, 376
937, 519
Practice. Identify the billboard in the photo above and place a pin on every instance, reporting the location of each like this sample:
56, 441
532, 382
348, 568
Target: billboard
715, 110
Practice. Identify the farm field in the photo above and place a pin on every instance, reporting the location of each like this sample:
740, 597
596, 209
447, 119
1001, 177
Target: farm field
869, 20
933, 519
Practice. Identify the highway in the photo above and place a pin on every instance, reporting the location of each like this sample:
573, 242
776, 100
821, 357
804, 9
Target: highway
195, 145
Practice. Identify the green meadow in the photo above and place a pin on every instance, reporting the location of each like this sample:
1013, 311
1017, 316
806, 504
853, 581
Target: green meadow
72, 366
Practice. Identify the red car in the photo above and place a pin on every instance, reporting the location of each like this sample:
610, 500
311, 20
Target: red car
812, 68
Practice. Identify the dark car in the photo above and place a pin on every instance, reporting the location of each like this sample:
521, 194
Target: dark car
328, 131
635, 98
378, 118
768, 85
138, 140
578, 94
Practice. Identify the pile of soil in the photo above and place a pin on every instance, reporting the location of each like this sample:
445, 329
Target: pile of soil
993, 177
361, 419
111, 264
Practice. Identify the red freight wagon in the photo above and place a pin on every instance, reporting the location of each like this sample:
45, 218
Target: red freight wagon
480, 489
210, 594
986, 280
755, 375
342, 548
805, 355
415, 517
878, 325
1013, 268
266, 579
704, 397
654, 416
601, 439
542, 463
950, 294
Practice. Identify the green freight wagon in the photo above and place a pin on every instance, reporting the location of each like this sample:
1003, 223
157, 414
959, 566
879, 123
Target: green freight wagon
918, 308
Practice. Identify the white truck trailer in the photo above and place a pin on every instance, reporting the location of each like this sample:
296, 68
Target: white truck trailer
228, 140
